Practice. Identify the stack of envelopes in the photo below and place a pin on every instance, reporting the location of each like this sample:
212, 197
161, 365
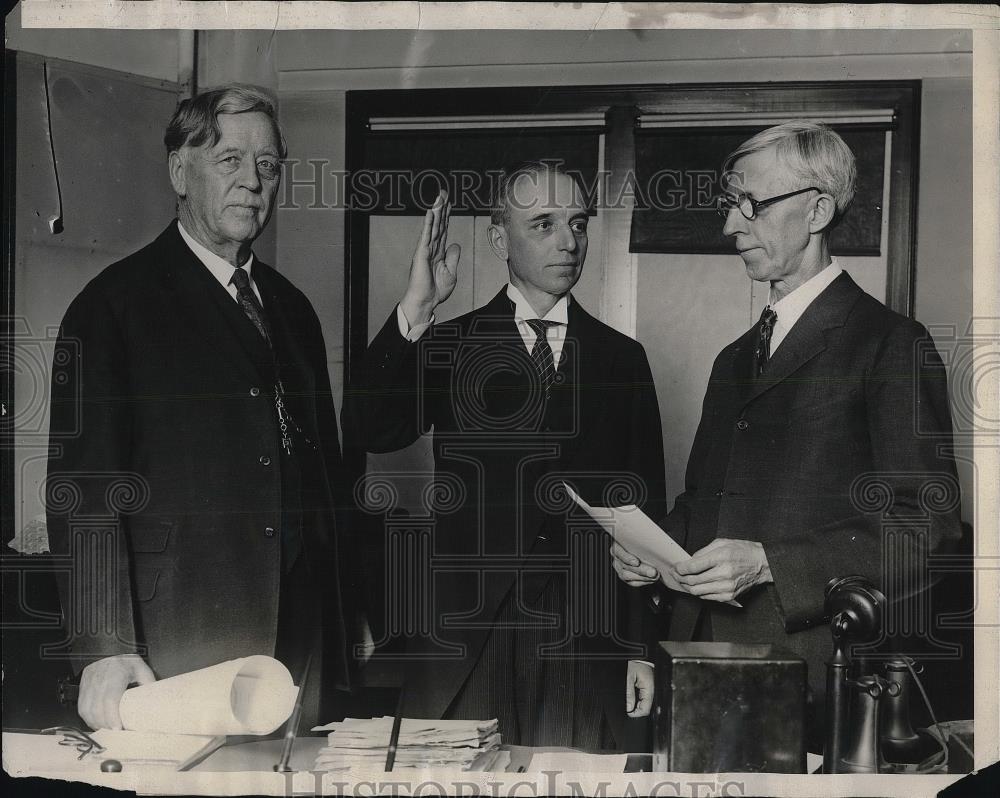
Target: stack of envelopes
362, 743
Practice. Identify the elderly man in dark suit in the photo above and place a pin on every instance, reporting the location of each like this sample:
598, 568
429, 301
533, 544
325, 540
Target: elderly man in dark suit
522, 393
196, 376
828, 390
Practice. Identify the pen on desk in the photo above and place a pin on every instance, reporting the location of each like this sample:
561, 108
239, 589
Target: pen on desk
397, 722
293, 723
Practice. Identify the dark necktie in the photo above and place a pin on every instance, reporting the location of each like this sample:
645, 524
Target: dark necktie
762, 351
250, 304
541, 353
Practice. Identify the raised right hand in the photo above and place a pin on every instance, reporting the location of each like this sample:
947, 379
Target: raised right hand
434, 268
102, 685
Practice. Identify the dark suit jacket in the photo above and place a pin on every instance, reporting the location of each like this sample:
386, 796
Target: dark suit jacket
170, 389
852, 409
506, 450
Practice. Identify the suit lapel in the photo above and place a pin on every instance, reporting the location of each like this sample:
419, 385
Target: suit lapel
288, 353
207, 306
742, 364
280, 325
807, 338
582, 358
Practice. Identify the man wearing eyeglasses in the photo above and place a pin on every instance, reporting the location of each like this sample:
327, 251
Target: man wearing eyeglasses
828, 395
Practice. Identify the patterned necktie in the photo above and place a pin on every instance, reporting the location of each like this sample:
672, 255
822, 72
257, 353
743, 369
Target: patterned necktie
250, 304
541, 353
762, 351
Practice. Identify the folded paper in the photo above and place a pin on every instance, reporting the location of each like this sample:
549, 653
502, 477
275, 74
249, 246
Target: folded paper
638, 534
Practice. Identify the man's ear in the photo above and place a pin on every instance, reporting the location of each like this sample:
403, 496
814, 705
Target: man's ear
823, 213
175, 165
497, 236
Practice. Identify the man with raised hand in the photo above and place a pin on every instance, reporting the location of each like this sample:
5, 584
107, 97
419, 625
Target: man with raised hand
523, 393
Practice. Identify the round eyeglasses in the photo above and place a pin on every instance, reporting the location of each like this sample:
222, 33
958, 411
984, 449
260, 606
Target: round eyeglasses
749, 206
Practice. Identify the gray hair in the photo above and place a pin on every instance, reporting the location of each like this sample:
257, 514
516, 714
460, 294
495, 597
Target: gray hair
813, 152
194, 122
504, 188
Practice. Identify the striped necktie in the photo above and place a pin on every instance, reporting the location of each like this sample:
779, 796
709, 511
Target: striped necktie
250, 304
541, 353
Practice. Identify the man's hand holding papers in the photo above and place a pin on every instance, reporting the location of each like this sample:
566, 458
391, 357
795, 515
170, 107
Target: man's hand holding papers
643, 553
723, 569
636, 573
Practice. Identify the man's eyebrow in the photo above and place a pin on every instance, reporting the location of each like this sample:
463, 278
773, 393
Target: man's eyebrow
538, 217
272, 151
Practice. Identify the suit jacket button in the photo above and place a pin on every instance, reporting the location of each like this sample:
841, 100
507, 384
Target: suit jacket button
265, 460
269, 531
742, 425
255, 391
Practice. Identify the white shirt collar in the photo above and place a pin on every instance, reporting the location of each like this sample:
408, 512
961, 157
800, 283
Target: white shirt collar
523, 310
219, 267
555, 334
791, 306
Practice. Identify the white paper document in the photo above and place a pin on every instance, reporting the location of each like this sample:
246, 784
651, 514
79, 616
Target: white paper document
250, 695
637, 533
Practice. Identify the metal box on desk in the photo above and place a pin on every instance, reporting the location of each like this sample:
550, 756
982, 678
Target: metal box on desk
728, 707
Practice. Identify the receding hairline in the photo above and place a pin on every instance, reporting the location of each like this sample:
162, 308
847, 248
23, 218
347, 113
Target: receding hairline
729, 167
509, 181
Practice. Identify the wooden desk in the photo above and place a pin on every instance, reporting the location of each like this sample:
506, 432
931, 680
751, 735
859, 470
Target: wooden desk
248, 754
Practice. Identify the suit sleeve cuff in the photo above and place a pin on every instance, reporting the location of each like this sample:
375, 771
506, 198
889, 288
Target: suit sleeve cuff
411, 333
798, 589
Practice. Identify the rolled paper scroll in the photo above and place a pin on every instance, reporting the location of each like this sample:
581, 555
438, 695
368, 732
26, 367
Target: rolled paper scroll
251, 695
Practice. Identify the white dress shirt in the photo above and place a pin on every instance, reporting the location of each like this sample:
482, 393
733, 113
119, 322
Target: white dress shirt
220, 268
555, 334
791, 307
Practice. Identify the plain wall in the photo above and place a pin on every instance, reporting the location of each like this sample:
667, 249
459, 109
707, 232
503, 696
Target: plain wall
150, 53
114, 197
943, 290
